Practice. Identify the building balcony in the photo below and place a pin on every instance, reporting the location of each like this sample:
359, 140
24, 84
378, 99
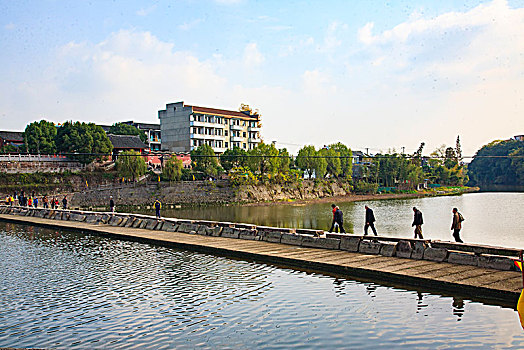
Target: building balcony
254, 140
236, 127
237, 139
206, 137
219, 149
254, 129
207, 125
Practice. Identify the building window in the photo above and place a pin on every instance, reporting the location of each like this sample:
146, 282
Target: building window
226, 144
244, 133
225, 133
244, 145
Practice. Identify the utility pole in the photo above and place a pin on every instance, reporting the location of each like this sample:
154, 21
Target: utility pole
403, 149
367, 151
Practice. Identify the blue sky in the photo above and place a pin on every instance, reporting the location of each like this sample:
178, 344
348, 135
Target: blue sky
371, 74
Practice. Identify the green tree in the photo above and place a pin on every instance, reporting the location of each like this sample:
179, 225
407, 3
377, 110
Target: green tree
284, 161
306, 159
204, 160
86, 139
263, 159
131, 164
346, 159
498, 163
233, 158
39, 137
332, 159
173, 169
126, 129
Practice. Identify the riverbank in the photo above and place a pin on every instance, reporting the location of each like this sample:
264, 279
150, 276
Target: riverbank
203, 193
348, 198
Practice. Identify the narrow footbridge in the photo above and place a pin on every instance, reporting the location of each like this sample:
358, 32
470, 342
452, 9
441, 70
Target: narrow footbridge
476, 271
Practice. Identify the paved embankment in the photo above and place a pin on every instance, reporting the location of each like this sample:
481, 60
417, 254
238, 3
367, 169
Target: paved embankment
469, 270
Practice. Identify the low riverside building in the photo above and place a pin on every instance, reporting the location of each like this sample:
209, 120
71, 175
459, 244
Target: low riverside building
185, 127
126, 143
13, 138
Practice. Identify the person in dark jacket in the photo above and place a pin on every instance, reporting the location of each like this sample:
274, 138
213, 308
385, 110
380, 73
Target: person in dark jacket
456, 225
417, 222
64, 202
158, 206
338, 219
111, 204
370, 219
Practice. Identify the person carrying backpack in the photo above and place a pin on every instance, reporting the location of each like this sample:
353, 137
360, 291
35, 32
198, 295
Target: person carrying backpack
457, 225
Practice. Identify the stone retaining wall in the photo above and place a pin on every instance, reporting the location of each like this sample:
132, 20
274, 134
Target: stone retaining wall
457, 253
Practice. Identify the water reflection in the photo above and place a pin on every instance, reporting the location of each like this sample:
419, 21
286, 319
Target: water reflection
64, 290
486, 219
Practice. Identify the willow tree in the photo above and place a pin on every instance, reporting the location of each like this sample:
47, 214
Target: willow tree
172, 170
131, 164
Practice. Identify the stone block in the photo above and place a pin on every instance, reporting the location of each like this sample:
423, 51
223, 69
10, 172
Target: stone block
316, 242
304, 231
143, 224
137, 222
215, 231
404, 249
369, 247
463, 258
418, 249
249, 234
115, 220
270, 236
66, 216
130, 221
202, 230
188, 227
104, 219
170, 226
230, 232
159, 226
150, 224
77, 217
351, 244
246, 226
57, 215
497, 262
290, 238
124, 221
388, 249
435, 254
92, 219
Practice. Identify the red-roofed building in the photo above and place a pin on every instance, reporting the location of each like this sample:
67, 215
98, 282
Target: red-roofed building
185, 127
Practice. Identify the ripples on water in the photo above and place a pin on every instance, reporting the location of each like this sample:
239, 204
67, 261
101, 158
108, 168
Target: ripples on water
65, 290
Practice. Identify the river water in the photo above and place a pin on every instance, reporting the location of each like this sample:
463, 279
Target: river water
491, 218
65, 290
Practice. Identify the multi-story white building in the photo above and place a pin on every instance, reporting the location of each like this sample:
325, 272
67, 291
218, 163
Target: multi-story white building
184, 128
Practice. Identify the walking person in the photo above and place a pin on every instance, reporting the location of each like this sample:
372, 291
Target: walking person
111, 204
45, 202
456, 225
338, 219
35, 202
157, 206
370, 219
417, 222
64, 203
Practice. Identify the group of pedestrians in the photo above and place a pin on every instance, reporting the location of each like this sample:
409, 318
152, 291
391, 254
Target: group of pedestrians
418, 221
33, 201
